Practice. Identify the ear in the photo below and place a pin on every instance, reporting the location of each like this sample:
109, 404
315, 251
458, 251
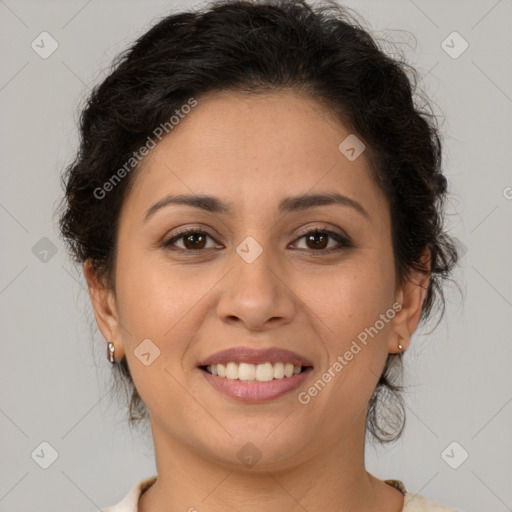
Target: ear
105, 308
411, 296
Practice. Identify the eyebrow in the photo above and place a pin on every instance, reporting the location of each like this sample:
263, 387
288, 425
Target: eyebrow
289, 204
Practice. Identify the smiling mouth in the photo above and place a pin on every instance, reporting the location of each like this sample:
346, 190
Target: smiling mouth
247, 372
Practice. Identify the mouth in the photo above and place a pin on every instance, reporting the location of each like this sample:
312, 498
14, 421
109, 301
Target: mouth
254, 390
251, 375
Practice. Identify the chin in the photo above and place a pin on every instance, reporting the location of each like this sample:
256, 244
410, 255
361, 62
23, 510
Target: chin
260, 448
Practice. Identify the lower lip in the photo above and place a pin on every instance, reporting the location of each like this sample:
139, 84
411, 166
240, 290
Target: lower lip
253, 391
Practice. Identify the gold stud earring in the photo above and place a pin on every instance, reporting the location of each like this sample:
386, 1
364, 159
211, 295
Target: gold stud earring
400, 347
110, 352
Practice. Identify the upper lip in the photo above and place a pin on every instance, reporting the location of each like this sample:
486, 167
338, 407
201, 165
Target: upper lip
256, 356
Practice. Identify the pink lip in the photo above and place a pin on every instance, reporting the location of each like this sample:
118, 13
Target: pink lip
256, 356
256, 391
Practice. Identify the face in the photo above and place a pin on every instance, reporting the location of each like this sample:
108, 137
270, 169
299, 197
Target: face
256, 278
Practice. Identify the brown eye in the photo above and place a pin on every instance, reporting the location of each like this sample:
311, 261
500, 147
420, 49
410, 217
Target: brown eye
193, 240
317, 240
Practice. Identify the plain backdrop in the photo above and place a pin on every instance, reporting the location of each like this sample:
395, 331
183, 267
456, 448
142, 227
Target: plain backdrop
54, 376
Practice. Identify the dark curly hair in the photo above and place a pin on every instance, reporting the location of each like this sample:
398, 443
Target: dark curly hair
246, 46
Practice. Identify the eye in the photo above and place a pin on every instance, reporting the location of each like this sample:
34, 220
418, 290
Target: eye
193, 240
317, 240
196, 240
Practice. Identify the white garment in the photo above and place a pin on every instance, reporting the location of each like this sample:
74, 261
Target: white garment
412, 502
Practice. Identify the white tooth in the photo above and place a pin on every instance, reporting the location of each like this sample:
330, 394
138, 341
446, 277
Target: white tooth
246, 371
249, 372
232, 371
221, 370
288, 369
264, 372
278, 370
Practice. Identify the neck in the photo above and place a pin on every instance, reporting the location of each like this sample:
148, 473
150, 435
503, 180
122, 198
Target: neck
334, 479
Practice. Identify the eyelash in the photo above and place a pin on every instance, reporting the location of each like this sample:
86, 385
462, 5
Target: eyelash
346, 243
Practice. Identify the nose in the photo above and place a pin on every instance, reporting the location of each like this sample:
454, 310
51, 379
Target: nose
256, 294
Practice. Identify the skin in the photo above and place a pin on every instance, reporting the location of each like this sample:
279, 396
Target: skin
252, 151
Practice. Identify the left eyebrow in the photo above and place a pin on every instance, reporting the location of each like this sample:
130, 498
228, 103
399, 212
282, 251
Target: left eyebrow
305, 201
290, 204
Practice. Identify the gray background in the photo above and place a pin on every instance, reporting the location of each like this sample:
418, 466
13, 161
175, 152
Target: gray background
55, 378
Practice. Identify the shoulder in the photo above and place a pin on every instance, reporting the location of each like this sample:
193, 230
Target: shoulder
130, 502
418, 503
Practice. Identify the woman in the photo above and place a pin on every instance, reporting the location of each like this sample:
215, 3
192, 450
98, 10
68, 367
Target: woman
257, 204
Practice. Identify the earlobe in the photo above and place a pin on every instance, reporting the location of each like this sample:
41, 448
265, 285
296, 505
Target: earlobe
104, 305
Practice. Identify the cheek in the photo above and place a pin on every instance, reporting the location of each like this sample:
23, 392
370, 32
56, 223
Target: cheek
153, 293
352, 296
156, 303
348, 306
164, 302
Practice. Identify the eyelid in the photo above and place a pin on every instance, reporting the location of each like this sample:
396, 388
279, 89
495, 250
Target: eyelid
181, 231
323, 229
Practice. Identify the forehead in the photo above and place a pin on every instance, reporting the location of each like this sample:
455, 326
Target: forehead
254, 149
